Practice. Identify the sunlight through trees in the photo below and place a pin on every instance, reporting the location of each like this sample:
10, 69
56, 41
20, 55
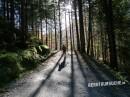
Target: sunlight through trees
98, 28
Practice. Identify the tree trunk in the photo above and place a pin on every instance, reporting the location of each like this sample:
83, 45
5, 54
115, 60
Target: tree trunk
4, 8
55, 28
23, 21
82, 38
12, 12
76, 26
70, 30
111, 34
60, 25
66, 31
7, 9
41, 32
89, 28
46, 27
51, 37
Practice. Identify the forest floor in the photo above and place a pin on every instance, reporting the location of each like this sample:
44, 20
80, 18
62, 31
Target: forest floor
66, 76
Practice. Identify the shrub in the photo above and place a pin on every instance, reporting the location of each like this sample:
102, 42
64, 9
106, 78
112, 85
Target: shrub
45, 50
39, 50
30, 58
14, 63
9, 66
34, 41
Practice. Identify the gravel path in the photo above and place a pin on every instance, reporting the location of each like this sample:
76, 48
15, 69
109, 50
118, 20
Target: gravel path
65, 76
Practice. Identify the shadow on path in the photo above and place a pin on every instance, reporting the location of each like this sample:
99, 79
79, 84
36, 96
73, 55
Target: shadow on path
97, 68
97, 91
35, 93
83, 74
72, 83
63, 64
101, 75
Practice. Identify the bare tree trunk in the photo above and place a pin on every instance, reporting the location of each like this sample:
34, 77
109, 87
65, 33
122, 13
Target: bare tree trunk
24, 21
46, 25
36, 30
51, 37
92, 54
55, 28
89, 28
111, 34
72, 30
4, 8
66, 31
32, 14
60, 25
46, 31
41, 32
7, 8
82, 38
76, 26
12, 12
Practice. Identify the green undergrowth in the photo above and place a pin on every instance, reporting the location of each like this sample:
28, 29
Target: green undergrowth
12, 64
19, 52
119, 75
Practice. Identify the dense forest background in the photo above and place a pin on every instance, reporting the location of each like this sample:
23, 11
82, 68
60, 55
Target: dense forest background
30, 29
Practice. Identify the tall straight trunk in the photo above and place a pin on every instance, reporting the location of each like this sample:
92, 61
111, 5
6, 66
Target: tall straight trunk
26, 15
101, 27
92, 49
51, 37
4, 8
41, 23
82, 38
86, 32
19, 20
88, 44
76, 25
105, 47
24, 21
36, 30
91, 43
102, 39
111, 34
32, 14
12, 20
70, 30
41, 32
46, 31
66, 31
12, 12
95, 47
7, 9
60, 25
89, 28
32, 24
85, 25
46, 24
55, 24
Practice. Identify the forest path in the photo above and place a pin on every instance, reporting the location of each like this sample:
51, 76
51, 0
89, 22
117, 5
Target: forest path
65, 76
